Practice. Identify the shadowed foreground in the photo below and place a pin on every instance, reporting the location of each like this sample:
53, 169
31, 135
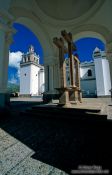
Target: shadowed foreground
47, 140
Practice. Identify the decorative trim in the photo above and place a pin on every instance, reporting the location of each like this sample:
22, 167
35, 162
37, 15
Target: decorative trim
49, 20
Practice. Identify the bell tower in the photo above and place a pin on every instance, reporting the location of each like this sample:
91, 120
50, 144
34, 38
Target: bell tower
29, 73
102, 71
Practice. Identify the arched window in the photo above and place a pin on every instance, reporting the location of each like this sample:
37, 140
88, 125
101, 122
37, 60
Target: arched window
89, 72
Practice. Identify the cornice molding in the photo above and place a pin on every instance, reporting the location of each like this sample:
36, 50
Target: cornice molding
52, 21
92, 30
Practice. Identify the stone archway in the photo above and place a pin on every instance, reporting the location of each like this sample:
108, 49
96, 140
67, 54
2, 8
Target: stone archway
98, 33
39, 33
6, 40
93, 31
50, 62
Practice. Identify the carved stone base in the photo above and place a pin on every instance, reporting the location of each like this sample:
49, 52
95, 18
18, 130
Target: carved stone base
64, 97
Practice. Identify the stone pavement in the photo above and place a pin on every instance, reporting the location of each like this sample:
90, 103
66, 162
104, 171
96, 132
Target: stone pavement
15, 159
34, 145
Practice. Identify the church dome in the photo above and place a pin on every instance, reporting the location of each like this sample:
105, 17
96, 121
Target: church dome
65, 9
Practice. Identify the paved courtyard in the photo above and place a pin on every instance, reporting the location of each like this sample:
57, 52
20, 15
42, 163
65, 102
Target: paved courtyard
56, 145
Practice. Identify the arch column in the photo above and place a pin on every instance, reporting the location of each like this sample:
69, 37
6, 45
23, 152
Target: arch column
5, 39
51, 77
109, 57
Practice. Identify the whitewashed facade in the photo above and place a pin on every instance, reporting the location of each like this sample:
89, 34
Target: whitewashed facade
88, 79
102, 71
31, 74
95, 78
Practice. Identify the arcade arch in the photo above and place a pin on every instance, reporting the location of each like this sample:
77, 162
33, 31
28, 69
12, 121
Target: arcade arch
99, 32
92, 21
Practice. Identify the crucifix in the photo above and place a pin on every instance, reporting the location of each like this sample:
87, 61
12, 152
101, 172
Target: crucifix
64, 94
72, 93
71, 48
75, 93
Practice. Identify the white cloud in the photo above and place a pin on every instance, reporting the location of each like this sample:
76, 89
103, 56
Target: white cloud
14, 59
14, 62
13, 80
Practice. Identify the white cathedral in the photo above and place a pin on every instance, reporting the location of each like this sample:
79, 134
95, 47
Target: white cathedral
31, 74
94, 75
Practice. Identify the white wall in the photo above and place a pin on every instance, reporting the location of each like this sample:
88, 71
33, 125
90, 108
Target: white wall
29, 83
102, 77
99, 77
34, 79
84, 71
41, 82
88, 83
25, 84
106, 75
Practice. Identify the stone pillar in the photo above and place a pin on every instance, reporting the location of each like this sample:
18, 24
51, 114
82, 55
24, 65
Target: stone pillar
71, 59
63, 91
109, 57
5, 40
51, 78
46, 68
77, 74
51, 82
62, 68
71, 48
56, 76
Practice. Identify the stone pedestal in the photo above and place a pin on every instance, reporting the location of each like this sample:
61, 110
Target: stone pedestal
64, 97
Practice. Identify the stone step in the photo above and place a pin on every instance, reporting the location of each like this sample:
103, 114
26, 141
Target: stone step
65, 115
70, 110
12, 156
62, 112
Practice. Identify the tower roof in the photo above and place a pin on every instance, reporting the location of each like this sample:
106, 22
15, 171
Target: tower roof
30, 56
96, 49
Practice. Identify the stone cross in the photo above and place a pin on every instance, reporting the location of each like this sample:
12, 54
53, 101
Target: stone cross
60, 44
71, 47
64, 94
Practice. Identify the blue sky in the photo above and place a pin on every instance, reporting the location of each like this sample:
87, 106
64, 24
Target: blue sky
85, 47
24, 37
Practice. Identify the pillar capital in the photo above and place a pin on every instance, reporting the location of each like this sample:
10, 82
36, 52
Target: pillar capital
8, 37
6, 22
7, 31
5, 16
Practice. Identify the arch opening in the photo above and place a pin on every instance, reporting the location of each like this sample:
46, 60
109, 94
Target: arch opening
25, 52
94, 66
